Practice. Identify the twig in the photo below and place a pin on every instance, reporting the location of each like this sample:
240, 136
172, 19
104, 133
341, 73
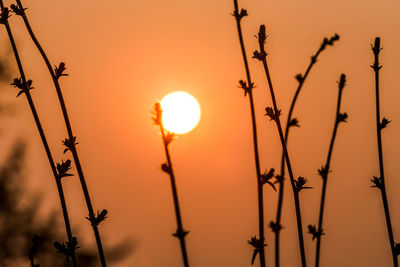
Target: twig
32, 251
274, 115
25, 87
167, 138
276, 226
257, 243
324, 172
71, 141
380, 182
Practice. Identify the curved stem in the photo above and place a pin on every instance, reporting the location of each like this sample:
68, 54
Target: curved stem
70, 134
313, 60
41, 133
255, 140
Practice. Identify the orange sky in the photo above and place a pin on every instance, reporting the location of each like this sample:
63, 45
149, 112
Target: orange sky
122, 56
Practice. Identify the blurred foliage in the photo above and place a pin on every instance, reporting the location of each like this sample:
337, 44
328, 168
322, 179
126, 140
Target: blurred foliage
20, 223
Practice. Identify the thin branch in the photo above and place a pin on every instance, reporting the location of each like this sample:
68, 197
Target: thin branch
380, 182
25, 87
324, 171
274, 115
248, 88
167, 167
20, 10
291, 123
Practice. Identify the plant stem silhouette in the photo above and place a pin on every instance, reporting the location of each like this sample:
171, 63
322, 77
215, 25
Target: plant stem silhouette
25, 87
324, 172
258, 244
276, 226
70, 143
274, 114
380, 182
167, 138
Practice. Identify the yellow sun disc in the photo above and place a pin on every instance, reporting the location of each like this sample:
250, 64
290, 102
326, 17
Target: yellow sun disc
181, 112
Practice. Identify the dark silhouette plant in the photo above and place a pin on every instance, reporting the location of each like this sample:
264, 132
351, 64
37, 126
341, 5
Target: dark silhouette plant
167, 138
25, 86
274, 114
70, 142
317, 232
257, 243
276, 225
379, 182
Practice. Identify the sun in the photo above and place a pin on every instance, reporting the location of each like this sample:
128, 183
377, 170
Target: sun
181, 112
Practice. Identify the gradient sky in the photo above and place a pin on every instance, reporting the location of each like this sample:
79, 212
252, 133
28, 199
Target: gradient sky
122, 56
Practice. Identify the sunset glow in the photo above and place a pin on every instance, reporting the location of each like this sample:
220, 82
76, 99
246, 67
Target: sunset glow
181, 112
151, 137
